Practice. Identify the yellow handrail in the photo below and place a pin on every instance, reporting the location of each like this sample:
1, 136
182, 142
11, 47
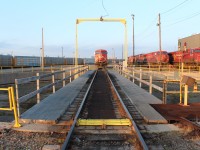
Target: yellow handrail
12, 105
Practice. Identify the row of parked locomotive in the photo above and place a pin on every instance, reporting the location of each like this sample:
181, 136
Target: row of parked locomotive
34, 61
189, 57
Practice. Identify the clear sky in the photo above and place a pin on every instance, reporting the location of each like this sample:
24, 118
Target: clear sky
22, 22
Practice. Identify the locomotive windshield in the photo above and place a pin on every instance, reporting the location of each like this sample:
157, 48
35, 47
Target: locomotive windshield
162, 52
197, 50
100, 52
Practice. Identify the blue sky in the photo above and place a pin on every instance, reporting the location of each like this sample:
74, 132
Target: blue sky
22, 22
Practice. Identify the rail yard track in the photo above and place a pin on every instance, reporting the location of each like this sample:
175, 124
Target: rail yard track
101, 117
103, 120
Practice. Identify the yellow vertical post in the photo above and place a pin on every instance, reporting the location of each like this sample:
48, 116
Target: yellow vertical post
133, 75
140, 84
38, 87
189, 69
53, 81
10, 98
182, 66
186, 95
63, 77
16, 125
125, 44
76, 52
70, 74
17, 97
164, 92
150, 83
180, 93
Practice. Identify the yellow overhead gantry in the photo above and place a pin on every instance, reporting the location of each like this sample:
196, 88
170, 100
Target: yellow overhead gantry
123, 21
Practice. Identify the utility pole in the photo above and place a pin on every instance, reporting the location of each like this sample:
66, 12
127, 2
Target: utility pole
133, 35
159, 28
42, 50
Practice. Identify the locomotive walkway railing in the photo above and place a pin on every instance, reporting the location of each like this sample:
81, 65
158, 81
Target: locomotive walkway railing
75, 71
149, 77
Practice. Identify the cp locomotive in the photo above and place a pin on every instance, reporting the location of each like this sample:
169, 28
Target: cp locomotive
150, 58
101, 57
188, 57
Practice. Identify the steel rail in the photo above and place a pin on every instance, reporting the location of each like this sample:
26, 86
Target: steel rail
142, 142
66, 142
189, 123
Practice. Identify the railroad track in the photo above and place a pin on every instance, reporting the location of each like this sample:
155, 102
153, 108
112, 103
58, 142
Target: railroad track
190, 124
102, 119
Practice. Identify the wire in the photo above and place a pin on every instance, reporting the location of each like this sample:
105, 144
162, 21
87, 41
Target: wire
174, 7
186, 18
104, 10
148, 27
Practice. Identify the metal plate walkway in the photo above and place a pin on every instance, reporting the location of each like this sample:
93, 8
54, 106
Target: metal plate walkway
141, 99
52, 107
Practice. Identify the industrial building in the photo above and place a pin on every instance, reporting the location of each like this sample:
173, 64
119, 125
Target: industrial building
192, 41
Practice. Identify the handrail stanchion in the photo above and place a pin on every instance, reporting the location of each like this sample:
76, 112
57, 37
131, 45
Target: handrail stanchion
70, 74
38, 87
150, 83
53, 81
63, 77
185, 95
164, 92
17, 97
140, 77
133, 75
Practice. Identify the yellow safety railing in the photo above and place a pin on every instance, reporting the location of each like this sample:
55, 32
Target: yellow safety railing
12, 105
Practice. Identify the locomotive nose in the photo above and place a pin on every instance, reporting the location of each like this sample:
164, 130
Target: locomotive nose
165, 58
101, 58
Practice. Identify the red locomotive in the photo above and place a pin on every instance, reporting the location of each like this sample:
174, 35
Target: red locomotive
175, 57
189, 57
101, 57
157, 57
137, 59
150, 58
131, 60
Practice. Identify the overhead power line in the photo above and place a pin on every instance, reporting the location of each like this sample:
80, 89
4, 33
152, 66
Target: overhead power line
185, 19
174, 7
148, 27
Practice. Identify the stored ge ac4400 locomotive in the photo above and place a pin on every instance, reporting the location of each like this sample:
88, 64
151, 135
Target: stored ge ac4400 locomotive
101, 57
188, 57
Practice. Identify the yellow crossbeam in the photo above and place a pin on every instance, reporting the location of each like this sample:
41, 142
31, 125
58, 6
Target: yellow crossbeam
100, 122
80, 20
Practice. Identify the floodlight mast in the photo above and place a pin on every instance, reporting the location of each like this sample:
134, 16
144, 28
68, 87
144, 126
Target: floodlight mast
123, 21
